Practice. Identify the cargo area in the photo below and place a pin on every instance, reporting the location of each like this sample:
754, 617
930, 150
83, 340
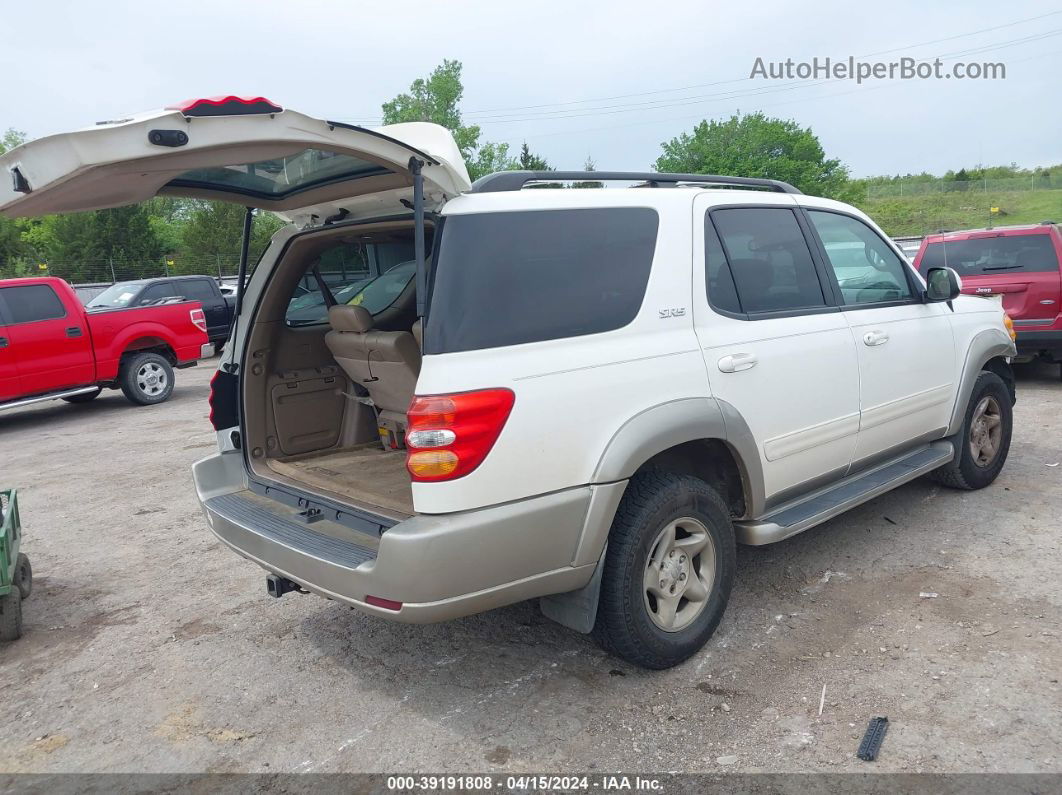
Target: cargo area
322, 389
377, 478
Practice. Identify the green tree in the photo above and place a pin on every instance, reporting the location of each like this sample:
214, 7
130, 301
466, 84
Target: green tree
437, 99
531, 162
11, 138
755, 145
489, 158
86, 246
213, 235
589, 165
13, 250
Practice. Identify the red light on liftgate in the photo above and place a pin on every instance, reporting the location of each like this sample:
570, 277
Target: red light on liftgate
229, 105
386, 604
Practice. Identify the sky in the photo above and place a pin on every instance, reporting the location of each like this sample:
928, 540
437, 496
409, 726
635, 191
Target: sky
606, 80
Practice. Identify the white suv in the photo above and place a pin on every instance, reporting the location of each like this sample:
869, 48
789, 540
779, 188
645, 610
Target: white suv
442, 398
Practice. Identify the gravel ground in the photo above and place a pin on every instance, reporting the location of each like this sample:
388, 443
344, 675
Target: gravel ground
150, 647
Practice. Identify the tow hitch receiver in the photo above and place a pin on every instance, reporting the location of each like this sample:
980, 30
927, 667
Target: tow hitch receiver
278, 586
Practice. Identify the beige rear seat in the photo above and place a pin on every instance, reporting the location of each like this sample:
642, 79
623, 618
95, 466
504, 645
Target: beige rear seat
386, 363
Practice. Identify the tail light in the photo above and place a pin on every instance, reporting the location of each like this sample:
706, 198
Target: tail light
225, 106
198, 319
1008, 323
223, 407
448, 436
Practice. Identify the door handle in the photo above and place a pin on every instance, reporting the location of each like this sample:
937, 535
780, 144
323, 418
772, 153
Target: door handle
873, 338
73, 331
736, 362
3, 342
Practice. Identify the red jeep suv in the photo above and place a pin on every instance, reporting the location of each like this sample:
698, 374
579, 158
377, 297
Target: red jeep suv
1018, 263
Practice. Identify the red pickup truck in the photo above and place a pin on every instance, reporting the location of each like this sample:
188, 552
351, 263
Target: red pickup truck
51, 347
1020, 264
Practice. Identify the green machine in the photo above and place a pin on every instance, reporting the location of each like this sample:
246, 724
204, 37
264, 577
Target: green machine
16, 576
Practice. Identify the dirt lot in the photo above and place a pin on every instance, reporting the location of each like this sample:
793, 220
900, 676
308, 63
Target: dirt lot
150, 647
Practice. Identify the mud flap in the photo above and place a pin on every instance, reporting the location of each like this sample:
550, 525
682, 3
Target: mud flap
576, 609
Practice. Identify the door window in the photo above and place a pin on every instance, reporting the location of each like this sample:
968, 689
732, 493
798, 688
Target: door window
868, 270
770, 262
154, 293
31, 303
722, 293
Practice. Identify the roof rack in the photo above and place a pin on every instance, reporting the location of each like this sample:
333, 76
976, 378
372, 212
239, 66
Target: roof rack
515, 180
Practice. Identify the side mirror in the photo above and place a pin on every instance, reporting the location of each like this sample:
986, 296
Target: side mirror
942, 284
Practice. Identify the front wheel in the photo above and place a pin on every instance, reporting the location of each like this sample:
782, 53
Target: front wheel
668, 570
146, 378
984, 441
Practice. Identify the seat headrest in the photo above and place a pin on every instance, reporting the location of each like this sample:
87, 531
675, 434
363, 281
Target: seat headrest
343, 317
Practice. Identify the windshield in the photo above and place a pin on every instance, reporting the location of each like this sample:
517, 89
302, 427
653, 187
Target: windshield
116, 296
1023, 253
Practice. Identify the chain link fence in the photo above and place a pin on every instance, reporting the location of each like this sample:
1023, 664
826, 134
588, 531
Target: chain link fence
905, 188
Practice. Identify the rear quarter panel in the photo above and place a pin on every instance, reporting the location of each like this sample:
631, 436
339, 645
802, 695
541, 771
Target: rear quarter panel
116, 331
573, 395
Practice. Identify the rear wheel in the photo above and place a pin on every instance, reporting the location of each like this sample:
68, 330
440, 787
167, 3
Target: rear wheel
84, 397
146, 378
23, 578
668, 570
985, 437
11, 615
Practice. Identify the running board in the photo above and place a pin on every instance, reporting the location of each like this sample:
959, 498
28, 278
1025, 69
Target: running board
796, 517
14, 404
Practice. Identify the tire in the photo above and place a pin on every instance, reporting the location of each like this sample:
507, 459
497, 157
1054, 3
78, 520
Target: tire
146, 378
23, 578
990, 400
11, 615
631, 619
84, 397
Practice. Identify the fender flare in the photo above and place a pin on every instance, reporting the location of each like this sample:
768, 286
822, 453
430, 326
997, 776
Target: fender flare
985, 345
661, 427
652, 431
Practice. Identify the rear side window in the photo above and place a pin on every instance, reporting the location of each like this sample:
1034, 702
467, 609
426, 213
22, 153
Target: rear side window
1023, 253
196, 289
32, 303
516, 277
769, 259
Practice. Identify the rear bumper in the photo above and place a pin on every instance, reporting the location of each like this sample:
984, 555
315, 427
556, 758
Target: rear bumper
438, 567
1038, 342
190, 354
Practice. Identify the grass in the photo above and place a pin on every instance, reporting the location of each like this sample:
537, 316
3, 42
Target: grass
920, 215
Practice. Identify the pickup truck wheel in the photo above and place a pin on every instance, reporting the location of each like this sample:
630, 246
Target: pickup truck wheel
985, 437
23, 578
84, 397
146, 378
11, 615
668, 570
